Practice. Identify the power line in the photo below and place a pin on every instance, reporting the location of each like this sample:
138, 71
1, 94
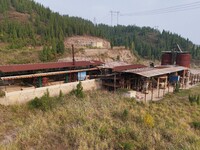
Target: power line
183, 7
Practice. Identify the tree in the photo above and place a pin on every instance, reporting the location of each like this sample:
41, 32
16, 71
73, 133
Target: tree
60, 47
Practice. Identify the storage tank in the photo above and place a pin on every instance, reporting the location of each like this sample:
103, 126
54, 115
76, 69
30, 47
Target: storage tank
183, 59
166, 58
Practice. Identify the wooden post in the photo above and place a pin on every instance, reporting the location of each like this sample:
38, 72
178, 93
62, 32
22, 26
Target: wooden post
115, 83
164, 90
158, 86
152, 90
168, 86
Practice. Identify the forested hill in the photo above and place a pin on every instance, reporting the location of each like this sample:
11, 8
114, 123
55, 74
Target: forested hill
26, 23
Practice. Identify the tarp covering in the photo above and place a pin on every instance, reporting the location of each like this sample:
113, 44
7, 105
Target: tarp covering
81, 76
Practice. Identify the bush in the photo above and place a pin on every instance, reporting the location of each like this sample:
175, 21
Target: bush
78, 92
196, 125
194, 99
44, 103
177, 88
148, 120
125, 114
127, 146
2, 93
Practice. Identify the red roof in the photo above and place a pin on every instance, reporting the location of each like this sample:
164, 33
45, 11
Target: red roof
53, 65
128, 67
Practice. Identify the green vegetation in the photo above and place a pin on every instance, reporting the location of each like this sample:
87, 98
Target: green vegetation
196, 125
37, 26
78, 92
44, 103
194, 99
103, 120
2, 93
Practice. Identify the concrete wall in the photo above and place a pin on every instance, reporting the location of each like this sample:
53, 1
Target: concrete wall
19, 97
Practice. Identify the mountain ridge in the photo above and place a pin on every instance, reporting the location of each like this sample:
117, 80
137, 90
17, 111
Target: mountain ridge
39, 26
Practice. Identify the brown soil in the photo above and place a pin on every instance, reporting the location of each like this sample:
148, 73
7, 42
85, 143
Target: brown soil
84, 51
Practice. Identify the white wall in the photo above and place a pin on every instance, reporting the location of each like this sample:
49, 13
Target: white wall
19, 97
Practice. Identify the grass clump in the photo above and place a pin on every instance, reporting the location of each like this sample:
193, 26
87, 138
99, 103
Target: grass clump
196, 125
127, 146
194, 99
2, 93
148, 120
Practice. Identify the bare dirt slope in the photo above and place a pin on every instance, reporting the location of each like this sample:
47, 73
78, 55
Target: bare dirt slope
85, 51
85, 42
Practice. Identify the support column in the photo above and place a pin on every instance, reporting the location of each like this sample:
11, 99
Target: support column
66, 78
158, 86
40, 81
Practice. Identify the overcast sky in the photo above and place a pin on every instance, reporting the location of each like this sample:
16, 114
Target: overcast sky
185, 22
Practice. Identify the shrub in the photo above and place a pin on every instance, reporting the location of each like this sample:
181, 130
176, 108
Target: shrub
78, 92
127, 146
125, 114
2, 93
194, 99
196, 125
148, 120
44, 103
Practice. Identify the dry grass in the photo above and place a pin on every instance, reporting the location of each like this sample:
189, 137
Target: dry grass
11, 56
103, 120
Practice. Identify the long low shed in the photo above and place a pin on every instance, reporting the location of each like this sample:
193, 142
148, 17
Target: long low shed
152, 72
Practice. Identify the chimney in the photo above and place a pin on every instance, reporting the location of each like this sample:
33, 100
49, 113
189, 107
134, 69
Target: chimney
73, 59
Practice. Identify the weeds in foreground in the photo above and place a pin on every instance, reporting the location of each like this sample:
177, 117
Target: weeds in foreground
2, 93
196, 125
104, 121
194, 99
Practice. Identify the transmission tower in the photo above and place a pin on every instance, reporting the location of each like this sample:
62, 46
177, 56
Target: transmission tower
112, 14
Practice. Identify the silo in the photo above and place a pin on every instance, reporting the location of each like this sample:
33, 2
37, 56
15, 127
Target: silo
166, 58
183, 59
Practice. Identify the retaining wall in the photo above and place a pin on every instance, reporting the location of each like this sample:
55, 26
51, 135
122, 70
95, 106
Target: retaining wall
19, 97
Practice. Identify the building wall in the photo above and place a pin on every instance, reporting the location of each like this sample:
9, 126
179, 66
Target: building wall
19, 97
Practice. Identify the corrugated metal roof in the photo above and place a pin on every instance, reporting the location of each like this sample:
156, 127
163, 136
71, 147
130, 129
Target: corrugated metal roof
45, 74
41, 66
128, 67
111, 65
152, 72
195, 71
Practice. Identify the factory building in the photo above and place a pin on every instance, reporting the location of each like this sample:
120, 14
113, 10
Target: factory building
146, 82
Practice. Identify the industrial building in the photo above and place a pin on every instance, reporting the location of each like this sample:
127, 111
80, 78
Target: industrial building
44, 74
150, 80
145, 82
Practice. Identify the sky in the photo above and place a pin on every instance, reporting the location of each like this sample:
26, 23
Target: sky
153, 13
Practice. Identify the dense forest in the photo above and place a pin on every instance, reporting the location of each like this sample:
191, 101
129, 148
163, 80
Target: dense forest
41, 26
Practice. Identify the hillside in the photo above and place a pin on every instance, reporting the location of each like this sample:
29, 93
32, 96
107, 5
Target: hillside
103, 120
94, 48
26, 25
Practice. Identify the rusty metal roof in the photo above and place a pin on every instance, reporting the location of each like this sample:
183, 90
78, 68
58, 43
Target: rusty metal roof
111, 65
44, 74
128, 67
41, 66
152, 72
